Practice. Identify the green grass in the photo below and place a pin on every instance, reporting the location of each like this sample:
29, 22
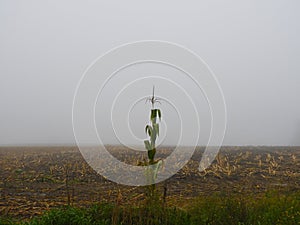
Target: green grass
272, 208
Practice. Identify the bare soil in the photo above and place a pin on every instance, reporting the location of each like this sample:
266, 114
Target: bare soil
35, 179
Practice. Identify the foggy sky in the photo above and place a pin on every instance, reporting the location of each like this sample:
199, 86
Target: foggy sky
253, 48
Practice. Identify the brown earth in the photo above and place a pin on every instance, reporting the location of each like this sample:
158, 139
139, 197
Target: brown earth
35, 179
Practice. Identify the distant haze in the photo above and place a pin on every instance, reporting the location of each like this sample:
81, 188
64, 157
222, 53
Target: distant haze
253, 48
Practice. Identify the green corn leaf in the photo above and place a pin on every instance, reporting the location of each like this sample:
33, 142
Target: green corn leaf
159, 114
148, 130
151, 154
153, 115
156, 128
157, 166
147, 145
153, 135
153, 139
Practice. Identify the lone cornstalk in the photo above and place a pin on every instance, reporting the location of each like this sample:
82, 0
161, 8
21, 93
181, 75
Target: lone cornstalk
152, 130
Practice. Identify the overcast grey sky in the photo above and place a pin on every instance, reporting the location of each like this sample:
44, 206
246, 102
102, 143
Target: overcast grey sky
253, 47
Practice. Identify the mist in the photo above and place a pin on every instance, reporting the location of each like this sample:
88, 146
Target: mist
253, 48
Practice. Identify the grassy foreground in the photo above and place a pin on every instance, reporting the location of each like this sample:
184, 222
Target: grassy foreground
271, 208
